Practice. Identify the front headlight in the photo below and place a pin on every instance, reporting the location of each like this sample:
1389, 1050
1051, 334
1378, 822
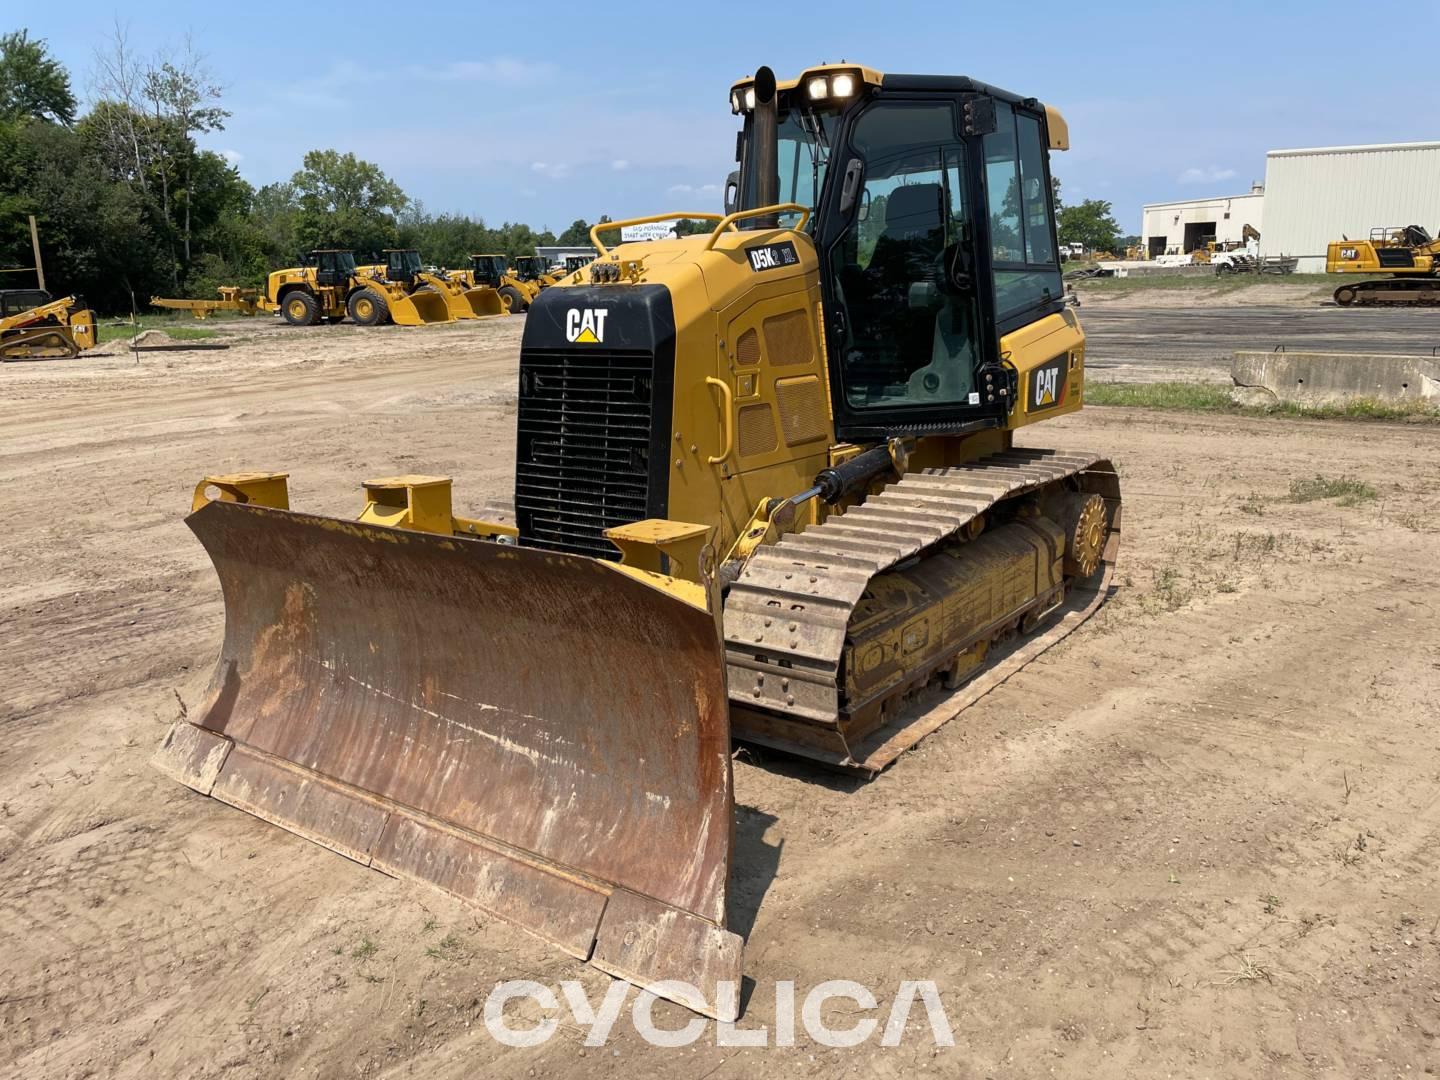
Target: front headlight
818, 87
843, 85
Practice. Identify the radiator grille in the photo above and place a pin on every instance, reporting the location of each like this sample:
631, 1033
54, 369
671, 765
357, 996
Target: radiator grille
583, 451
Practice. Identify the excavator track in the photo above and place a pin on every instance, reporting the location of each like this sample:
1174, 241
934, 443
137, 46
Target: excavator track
1390, 292
792, 614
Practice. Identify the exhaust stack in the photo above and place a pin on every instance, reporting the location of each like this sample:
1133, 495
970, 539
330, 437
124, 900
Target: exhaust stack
767, 147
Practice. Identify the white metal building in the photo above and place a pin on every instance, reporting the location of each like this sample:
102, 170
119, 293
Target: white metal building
1318, 195
1178, 228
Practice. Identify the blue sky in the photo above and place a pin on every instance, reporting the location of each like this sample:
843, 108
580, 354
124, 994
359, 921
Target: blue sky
566, 110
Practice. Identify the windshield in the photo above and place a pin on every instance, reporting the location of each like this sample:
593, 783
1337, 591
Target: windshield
345, 262
491, 267
406, 260
804, 154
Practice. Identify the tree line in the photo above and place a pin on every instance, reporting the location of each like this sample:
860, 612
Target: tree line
128, 204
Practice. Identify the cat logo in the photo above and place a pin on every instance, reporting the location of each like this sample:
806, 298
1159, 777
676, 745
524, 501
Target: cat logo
585, 325
1349, 253
1047, 384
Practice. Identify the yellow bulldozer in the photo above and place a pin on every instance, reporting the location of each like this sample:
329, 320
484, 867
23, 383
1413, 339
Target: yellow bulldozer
767, 489
403, 267
328, 286
493, 271
1408, 254
34, 326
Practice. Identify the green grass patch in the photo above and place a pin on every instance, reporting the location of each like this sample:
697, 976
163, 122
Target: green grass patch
180, 329
1160, 395
1349, 490
1215, 397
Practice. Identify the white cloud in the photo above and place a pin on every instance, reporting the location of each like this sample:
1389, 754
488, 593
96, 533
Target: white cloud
234, 157
554, 170
691, 189
619, 164
500, 69
1212, 175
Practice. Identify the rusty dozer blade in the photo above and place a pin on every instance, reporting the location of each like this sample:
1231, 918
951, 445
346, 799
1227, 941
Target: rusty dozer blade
539, 734
419, 308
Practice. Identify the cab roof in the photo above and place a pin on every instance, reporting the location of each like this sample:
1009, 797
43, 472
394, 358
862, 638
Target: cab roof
1059, 130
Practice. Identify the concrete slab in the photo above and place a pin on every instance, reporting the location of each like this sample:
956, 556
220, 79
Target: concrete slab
1317, 378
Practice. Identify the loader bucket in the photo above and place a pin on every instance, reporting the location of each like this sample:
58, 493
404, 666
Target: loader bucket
539, 734
455, 303
485, 302
419, 308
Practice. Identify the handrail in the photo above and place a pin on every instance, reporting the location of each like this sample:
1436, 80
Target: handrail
740, 215
607, 226
727, 410
725, 221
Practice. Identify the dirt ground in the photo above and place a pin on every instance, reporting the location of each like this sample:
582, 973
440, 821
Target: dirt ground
1200, 838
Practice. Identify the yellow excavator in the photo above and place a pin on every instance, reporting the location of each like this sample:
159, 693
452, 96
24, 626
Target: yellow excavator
1408, 254
402, 266
766, 489
33, 326
328, 286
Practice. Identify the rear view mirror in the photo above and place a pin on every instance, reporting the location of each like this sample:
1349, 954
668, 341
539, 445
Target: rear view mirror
732, 193
850, 187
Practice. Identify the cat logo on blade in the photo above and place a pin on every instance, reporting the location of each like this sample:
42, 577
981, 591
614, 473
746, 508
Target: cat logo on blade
1047, 384
585, 325
772, 256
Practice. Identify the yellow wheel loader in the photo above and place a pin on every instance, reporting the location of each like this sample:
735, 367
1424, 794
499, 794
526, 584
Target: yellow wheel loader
493, 271
1409, 255
536, 269
35, 327
403, 267
766, 489
328, 286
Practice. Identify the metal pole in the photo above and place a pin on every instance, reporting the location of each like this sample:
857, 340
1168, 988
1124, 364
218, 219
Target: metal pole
35, 243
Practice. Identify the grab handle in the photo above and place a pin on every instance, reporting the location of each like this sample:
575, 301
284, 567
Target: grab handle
726, 416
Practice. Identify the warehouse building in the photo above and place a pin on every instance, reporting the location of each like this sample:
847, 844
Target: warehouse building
1309, 198
1178, 228
1315, 196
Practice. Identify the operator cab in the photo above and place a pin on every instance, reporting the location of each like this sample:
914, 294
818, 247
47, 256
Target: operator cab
14, 301
934, 224
489, 269
402, 264
529, 267
332, 266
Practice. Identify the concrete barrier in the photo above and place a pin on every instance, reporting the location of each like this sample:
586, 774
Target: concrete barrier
1313, 378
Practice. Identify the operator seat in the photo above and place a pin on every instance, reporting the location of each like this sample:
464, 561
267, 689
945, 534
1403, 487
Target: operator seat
906, 253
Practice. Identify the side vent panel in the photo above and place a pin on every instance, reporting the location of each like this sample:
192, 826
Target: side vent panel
747, 349
803, 415
757, 430
788, 340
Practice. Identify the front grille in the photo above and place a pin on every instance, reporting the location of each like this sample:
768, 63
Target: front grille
584, 448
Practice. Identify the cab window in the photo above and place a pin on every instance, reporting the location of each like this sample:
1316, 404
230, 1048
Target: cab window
1022, 227
908, 327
